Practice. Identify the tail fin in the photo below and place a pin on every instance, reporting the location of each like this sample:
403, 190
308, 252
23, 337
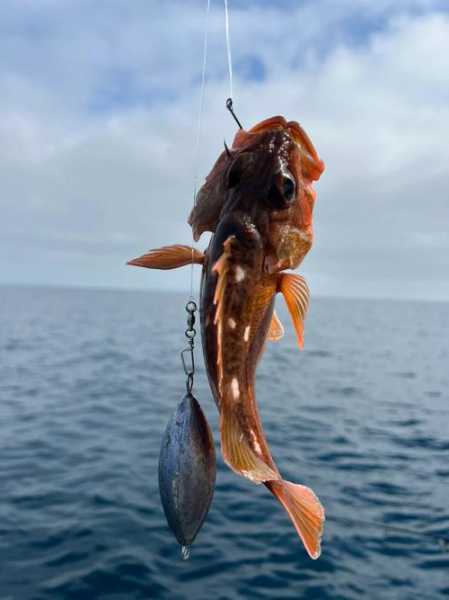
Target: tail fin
305, 511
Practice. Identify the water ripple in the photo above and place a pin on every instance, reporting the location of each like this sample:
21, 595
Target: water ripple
88, 381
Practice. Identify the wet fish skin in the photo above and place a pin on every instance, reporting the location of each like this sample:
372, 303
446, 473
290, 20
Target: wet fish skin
260, 213
187, 469
258, 203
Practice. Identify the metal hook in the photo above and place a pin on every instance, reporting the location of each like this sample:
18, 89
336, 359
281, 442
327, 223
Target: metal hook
228, 152
231, 110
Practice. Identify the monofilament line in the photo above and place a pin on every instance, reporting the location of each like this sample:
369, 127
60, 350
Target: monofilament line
228, 47
199, 126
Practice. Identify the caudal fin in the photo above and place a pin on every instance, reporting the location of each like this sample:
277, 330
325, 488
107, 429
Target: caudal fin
305, 511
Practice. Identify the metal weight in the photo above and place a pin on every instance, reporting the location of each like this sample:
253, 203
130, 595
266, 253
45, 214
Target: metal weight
187, 465
187, 470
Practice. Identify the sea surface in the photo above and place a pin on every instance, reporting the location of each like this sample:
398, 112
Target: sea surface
88, 381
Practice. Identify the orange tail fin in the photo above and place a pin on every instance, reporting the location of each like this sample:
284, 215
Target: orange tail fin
168, 257
305, 511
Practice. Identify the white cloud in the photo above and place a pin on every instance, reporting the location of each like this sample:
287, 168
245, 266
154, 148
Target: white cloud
98, 126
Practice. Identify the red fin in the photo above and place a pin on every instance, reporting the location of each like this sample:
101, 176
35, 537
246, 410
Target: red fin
296, 294
277, 122
221, 267
168, 257
276, 331
305, 511
239, 452
313, 166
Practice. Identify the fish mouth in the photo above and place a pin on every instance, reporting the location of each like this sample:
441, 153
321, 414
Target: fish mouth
297, 159
276, 122
313, 165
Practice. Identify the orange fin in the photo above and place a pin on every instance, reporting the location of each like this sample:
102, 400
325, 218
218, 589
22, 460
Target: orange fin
168, 257
276, 331
305, 511
296, 294
221, 267
238, 451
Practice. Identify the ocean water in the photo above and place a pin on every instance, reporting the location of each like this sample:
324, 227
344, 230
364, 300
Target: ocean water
88, 381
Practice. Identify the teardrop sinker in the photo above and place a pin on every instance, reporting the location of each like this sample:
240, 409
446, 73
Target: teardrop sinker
187, 470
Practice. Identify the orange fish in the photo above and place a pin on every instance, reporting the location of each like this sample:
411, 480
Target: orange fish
258, 202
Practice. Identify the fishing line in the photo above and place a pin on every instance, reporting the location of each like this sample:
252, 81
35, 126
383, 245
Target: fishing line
181, 443
229, 101
228, 46
229, 106
200, 126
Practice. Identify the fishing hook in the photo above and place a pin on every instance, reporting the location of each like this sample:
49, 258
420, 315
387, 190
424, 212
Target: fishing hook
231, 110
228, 152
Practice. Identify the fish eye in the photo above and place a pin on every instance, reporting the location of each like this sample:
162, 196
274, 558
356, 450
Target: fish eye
288, 188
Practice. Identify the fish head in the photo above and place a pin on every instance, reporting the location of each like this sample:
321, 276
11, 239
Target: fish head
268, 175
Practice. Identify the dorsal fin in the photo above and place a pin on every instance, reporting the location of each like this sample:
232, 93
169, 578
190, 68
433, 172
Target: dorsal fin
221, 267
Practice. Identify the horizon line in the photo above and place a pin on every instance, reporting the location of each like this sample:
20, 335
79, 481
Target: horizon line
106, 288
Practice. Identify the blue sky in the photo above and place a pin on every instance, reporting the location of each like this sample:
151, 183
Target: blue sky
98, 118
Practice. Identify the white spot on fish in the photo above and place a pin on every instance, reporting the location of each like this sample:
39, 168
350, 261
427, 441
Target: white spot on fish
235, 389
241, 438
239, 274
256, 444
231, 323
246, 333
304, 235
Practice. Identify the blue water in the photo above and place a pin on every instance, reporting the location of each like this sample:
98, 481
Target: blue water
88, 380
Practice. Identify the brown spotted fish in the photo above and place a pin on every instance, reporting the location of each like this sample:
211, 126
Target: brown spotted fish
257, 202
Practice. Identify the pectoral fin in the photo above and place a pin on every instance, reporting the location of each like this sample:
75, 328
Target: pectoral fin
168, 257
296, 293
276, 331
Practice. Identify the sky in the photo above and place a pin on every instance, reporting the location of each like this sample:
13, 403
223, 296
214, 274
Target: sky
99, 119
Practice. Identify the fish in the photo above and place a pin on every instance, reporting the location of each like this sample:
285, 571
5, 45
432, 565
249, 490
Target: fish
257, 202
187, 468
